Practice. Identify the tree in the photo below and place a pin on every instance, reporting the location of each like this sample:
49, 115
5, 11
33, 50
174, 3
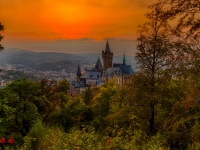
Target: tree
1, 37
184, 17
156, 58
22, 95
87, 96
102, 105
63, 86
72, 114
168, 44
24, 102
182, 121
53, 95
186, 12
18, 112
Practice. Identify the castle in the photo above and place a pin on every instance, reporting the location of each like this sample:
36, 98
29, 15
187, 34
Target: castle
120, 73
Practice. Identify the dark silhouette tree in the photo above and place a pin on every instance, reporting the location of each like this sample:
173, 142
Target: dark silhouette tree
187, 13
1, 37
185, 18
155, 58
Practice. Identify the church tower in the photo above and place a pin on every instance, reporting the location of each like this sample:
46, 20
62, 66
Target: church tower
107, 57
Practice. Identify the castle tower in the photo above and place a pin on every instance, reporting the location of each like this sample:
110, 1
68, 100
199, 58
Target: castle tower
78, 73
107, 57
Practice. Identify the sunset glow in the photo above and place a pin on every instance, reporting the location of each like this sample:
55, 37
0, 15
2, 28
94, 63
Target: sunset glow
66, 19
39, 25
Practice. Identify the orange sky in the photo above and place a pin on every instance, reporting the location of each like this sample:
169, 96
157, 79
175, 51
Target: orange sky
50, 20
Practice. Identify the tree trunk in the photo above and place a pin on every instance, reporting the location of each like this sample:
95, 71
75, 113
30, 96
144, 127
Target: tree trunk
152, 118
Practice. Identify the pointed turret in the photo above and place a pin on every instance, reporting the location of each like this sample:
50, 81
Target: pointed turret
78, 72
124, 59
98, 66
107, 50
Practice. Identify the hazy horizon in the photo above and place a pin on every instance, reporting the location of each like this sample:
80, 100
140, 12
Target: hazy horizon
78, 46
73, 26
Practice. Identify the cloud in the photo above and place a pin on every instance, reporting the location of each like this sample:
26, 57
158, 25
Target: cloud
76, 40
118, 39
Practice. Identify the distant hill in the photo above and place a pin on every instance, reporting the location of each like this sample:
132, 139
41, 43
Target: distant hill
53, 60
14, 75
67, 65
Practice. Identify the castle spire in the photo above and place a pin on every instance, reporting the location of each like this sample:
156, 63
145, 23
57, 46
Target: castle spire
78, 72
98, 66
124, 59
107, 50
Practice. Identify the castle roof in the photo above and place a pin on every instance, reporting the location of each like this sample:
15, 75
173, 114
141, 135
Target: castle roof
110, 72
125, 69
77, 84
89, 74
